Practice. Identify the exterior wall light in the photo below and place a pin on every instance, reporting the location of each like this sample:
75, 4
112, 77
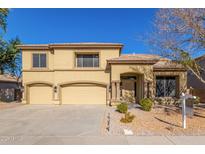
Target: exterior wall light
55, 89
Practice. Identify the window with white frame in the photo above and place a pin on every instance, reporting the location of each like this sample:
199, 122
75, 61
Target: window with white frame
87, 60
39, 60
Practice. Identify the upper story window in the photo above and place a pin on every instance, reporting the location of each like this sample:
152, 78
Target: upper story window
39, 60
165, 86
87, 60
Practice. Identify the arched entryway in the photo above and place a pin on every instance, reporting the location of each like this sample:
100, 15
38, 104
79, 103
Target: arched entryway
131, 87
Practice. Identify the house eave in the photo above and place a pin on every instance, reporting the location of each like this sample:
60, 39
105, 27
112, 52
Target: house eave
72, 46
33, 47
169, 69
151, 62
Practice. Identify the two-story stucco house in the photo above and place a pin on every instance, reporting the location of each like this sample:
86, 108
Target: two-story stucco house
95, 73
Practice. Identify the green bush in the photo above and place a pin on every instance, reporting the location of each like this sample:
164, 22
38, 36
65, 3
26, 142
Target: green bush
127, 118
146, 104
122, 108
197, 100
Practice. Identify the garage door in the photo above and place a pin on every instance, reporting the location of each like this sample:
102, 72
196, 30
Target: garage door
40, 94
83, 94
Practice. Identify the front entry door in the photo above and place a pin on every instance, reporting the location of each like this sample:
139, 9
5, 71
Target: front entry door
128, 92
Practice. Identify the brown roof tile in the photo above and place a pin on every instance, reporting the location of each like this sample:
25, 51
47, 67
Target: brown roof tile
157, 61
135, 58
167, 64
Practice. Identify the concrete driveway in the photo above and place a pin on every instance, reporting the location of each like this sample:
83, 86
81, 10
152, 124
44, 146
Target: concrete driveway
32, 124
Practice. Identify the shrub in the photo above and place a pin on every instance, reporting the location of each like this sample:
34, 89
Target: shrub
146, 104
128, 97
127, 118
166, 101
122, 108
197, 100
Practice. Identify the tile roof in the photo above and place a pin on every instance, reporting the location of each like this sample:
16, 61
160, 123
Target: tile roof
157, 61
167, 64
135, 58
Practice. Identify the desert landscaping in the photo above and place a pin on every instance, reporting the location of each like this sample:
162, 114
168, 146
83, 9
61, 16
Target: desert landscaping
159, 121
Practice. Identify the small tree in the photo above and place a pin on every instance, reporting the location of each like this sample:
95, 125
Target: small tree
10, 58
179, 34
3, 18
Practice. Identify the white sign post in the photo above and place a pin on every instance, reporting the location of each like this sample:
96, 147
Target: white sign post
183, 98
184, 112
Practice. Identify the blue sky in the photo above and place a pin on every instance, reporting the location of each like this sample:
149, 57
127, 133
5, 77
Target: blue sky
82, 25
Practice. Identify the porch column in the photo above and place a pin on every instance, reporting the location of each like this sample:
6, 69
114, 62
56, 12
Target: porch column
24, 92
148, 89
140, 88
145, 89
118, 89
113, 91
108, 99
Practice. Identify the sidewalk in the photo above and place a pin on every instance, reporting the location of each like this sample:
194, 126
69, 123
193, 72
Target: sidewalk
104, 140
166, 140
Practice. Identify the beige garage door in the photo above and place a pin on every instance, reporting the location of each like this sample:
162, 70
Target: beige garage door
40, 94
83, 94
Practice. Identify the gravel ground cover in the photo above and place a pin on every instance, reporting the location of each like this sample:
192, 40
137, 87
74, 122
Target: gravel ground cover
160, 121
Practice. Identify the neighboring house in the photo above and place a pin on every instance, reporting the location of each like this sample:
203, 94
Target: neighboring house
194, 83
9, 88
96, 73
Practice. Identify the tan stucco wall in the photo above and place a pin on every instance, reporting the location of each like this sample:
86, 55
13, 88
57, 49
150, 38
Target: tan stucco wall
118, 69
148, 75
61, 68
65, 58
27, 59
144, 74
65, 76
